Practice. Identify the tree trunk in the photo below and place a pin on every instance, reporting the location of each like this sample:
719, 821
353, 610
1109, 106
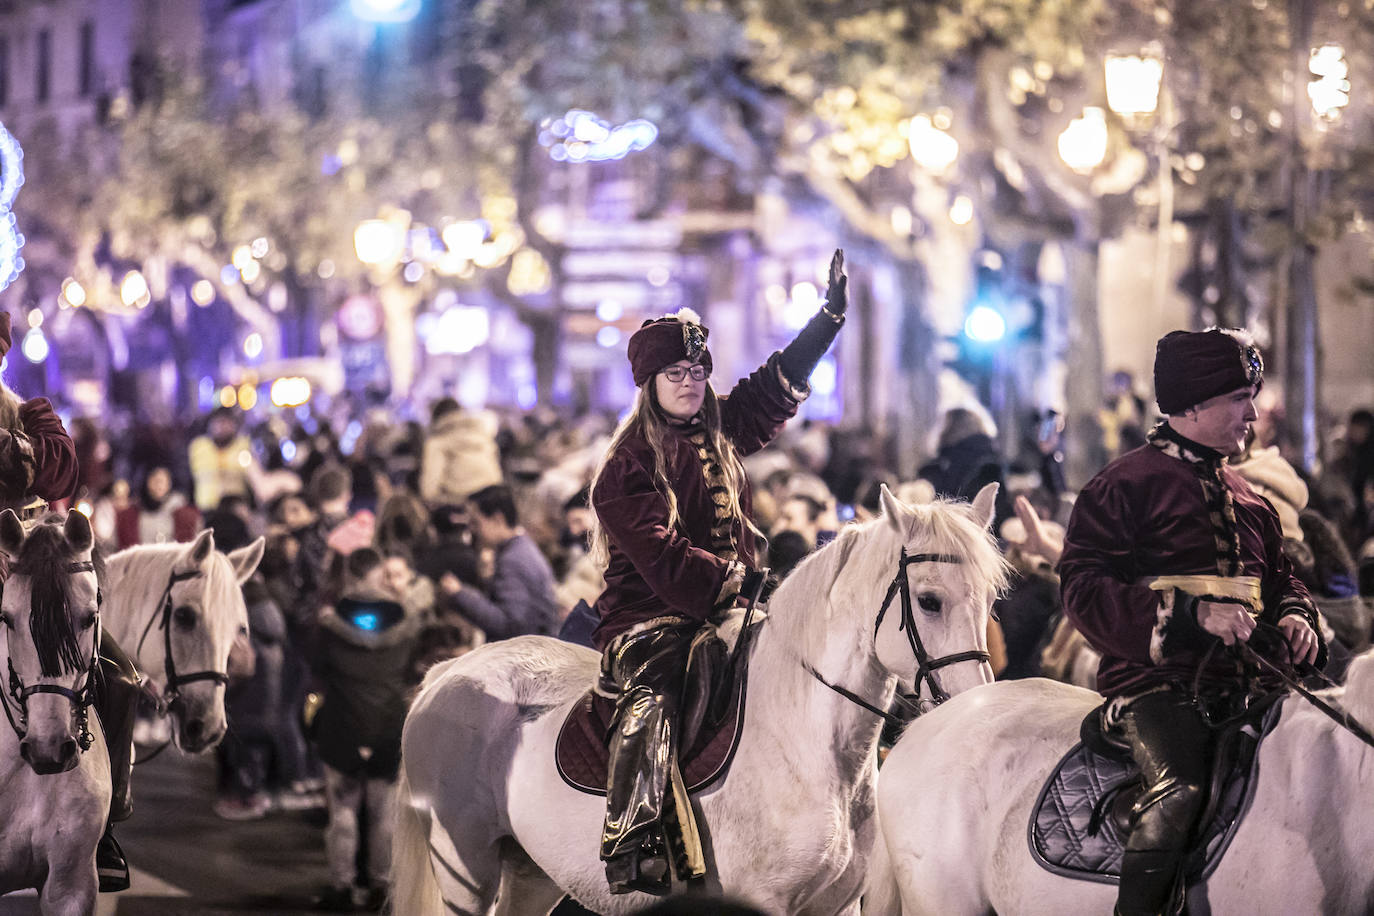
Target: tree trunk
917, 404
1083, 452
1302, 354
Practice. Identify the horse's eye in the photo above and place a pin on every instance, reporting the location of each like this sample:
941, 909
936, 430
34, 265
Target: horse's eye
929, 603
7, 621
185, 616
88, 621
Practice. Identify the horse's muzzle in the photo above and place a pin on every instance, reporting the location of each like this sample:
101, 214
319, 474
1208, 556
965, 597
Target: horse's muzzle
48, 758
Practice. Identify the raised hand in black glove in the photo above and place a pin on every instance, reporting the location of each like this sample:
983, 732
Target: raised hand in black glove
837, 293
800, 357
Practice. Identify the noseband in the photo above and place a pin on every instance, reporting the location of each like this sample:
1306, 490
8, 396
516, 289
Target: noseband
925, 665
80, 699
163, 618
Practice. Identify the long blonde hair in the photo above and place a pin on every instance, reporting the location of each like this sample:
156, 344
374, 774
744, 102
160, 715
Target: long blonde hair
649, 420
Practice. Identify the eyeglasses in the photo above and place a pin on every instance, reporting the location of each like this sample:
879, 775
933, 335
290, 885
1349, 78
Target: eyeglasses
678, 373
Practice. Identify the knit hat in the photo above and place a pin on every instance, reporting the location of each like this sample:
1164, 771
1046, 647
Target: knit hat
663, 341
1194, 366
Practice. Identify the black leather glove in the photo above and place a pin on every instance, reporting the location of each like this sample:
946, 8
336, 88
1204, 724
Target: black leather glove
837, 293
760, 582
799, 358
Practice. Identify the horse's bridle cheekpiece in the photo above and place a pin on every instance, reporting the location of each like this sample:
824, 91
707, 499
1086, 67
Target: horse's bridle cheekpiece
163, 618
81, 699
925, 665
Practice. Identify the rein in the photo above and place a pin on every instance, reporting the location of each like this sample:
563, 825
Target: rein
1342, 719
926, 666
163, 618
81, 699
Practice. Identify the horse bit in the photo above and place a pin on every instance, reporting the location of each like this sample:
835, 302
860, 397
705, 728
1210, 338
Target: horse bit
81, 700
926, 666
164, 619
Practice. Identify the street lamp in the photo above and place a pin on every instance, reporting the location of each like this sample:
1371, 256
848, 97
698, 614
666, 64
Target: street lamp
1330, 91
1083, 144
1133, 83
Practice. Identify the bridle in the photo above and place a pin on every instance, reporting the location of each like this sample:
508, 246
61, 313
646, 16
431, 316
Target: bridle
81, 699
925, 665
164, 620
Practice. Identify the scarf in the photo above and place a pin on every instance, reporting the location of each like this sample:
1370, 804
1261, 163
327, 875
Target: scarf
1221, 509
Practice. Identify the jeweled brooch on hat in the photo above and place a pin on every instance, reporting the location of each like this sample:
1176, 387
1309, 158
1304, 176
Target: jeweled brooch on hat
1254, 364
693, 340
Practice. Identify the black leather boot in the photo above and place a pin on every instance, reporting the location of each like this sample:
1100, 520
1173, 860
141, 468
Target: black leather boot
110, 864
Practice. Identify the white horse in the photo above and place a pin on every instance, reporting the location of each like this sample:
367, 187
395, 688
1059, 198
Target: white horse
177, 610
956, 794
54, 771
790, 826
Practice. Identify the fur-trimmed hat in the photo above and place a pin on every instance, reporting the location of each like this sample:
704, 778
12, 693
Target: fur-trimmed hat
1194, 366
661, 342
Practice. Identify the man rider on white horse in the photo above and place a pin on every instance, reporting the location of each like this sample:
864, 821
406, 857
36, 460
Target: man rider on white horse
1169, 555
672, 509
38, 464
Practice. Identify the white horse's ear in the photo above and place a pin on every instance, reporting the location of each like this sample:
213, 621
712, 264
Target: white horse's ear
11, 533
247, 558
77, 529
896, 512
201, 547
985, 504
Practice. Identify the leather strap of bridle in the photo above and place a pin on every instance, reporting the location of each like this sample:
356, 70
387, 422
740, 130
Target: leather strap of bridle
926, 666
164, 620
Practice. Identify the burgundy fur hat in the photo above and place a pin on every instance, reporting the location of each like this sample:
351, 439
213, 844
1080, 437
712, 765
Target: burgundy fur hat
663, 341
1193, 366
5, 340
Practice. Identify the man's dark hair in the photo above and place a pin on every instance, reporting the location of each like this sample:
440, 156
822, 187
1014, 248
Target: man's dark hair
442, 408
361, 562
496, 500
330, 482
582, 499
231, 532
274, 508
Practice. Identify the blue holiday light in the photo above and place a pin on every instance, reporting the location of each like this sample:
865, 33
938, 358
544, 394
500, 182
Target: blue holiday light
11, 179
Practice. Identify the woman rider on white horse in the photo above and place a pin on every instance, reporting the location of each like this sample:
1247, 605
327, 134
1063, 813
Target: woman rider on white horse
672, 508
37, 464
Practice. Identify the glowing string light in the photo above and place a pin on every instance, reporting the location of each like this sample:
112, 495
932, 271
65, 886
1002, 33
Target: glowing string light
11, 179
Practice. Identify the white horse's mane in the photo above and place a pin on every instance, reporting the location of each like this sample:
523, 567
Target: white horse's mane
942, 526
1359, 689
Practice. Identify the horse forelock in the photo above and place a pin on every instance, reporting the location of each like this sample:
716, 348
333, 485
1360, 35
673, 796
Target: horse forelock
43, 561
949, 527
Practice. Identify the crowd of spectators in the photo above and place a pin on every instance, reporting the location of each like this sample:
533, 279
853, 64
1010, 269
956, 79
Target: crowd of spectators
395, 543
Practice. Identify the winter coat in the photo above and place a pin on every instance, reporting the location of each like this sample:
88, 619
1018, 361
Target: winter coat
962, 468
40, 460
366, 677
1146, 515
657, 569
460, 457
1272, 477
521, 598
175, 521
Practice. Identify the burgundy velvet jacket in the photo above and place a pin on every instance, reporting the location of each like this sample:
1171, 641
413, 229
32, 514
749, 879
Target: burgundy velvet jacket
54, 455
657, 570
1145, 515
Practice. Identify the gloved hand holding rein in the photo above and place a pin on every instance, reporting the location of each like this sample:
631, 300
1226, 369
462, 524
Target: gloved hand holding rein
799, 358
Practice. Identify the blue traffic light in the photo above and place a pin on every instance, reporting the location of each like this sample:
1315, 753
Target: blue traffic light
985, 324
385, 10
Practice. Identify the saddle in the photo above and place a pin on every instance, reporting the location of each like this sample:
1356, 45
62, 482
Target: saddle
1081, 820
712, 711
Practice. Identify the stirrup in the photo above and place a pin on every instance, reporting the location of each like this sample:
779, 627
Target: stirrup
110, 865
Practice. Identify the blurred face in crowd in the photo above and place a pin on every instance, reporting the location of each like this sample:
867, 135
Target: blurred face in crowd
397, 574
295, 514
578, 521
159, 483
795, 515
1220, 423
491, 530
222, 430
681, 399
